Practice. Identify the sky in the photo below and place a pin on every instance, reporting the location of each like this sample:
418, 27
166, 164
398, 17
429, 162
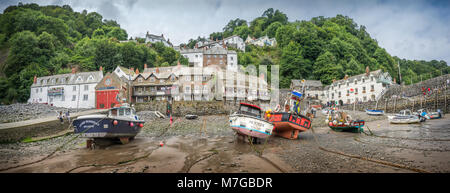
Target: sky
411, 29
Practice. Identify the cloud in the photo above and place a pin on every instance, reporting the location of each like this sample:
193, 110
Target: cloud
413, 29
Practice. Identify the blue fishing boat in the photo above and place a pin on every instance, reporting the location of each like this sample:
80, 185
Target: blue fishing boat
374, 112
121, 123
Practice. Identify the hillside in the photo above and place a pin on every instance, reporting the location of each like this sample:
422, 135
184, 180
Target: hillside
321, 49
47, 40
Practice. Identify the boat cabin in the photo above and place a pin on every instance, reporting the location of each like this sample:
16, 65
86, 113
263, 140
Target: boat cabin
122, 111
249, 109
406, 112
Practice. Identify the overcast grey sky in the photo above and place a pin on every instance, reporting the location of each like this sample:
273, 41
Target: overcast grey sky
412, 29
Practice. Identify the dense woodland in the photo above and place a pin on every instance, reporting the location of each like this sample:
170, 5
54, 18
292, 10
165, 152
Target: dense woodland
46, 40
321, 49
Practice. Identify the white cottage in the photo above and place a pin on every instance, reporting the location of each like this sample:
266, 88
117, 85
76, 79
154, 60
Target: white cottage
360, 88
74, 90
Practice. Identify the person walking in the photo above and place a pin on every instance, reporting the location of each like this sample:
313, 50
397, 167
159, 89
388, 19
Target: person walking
68, 116
61, 117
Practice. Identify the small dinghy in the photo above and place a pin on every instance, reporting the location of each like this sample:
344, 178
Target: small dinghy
191, 116
374, 112
247, 121
342, 122
121, 123
404, 117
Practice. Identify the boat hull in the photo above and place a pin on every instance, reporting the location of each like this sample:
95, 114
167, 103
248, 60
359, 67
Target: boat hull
103, 127
374, 112
403, 119
289, 125
354, 127
251, 126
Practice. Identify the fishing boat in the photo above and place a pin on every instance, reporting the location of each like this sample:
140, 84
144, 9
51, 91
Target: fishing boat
342, 122
289, 124
121, 123
247, 121
429, 115
374, 112
404, 117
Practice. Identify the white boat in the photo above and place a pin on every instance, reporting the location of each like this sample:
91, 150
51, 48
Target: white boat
428, 115
404, 117
248, 122
374, 112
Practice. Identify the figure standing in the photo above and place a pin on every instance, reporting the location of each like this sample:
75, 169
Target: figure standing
61, 117
68, 116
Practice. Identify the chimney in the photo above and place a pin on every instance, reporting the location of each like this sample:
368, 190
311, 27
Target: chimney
346, 77
395, 81
367, 71
132, 69
223, 44
147, 33
157, 70
162, 35
137, 70
334, 80
178, 64
101, 68
145, 66
35, 78
196, 46
74, 70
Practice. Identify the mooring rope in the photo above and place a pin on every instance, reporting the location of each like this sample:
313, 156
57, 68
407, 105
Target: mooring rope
366, 158
260, 154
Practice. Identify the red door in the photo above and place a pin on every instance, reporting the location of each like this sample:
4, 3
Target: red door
106, 98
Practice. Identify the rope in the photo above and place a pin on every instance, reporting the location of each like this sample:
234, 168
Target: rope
260, 153
404, 138
418, 149
49, 155
365, 158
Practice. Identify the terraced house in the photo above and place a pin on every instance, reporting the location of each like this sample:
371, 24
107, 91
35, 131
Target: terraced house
73, 90
155, 84
360, 88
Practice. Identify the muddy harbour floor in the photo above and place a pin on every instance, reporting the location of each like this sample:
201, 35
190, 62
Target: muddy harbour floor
208, 145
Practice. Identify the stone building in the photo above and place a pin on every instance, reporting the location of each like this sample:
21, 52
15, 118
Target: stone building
219, 56
233, 41
111, 90
313, 88
360, 88
155, 84
73, 90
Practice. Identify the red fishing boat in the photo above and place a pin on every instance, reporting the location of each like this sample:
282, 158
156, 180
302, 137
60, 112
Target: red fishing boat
289, 124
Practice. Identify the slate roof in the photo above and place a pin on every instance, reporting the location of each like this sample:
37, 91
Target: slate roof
66, 79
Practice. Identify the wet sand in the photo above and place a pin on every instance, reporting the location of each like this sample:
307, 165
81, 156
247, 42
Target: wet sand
208, 145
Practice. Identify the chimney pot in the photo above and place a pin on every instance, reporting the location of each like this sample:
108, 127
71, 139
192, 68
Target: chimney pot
101, 68
35, 78
74, 70
145, 66
137, 70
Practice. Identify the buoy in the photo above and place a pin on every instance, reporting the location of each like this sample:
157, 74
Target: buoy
161, 144
115, 122
141, 125
131, 124
171, 120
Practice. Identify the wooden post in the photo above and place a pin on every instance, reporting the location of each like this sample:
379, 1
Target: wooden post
445, 100
385, 105
414, 104
435, 101
421, 102
395, 104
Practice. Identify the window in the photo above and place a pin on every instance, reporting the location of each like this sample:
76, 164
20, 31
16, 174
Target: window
371, 78
364, 98
196, 56
356, 82
364, 89
127, 111
187, 89
152, 79
63, 98
221, 56
356, 90
51, 99
85, 97
37, 90
74, 97
363, 80
372, 87
205, 78
188, 78
121, 112
86, 87
74, 88
209, 56
231, 58
53, 81
40, 90
140, 79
